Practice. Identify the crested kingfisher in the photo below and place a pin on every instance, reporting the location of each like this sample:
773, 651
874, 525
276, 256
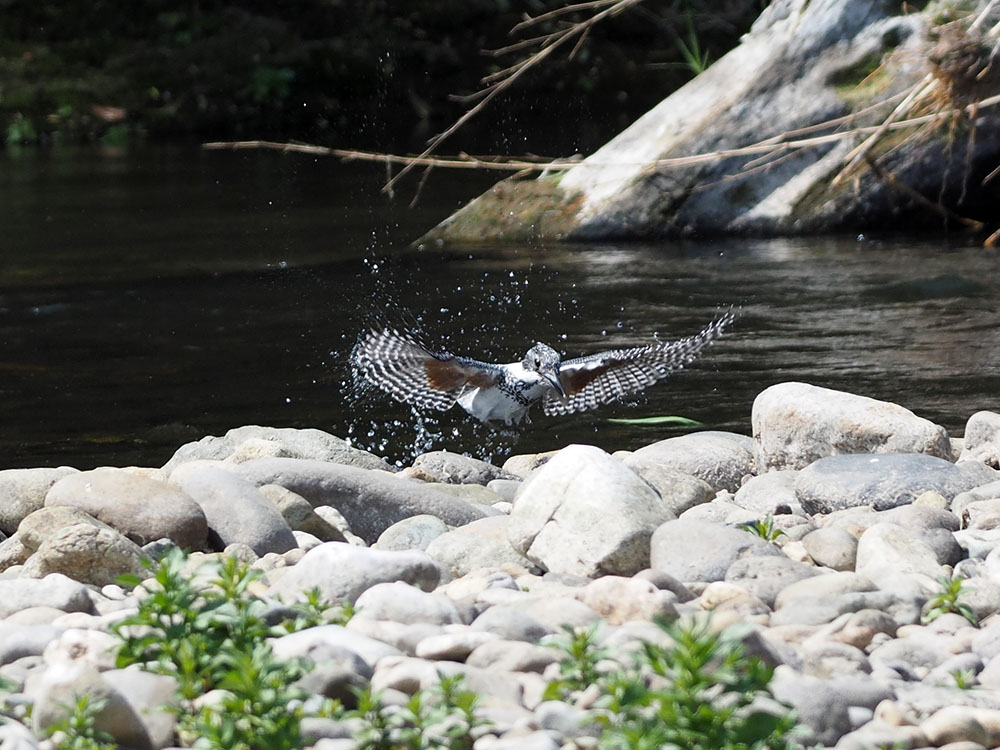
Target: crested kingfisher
400, 364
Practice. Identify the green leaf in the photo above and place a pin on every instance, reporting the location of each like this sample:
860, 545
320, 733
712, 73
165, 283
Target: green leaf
652, 421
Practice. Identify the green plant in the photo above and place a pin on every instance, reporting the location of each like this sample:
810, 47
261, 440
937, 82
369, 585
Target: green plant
946, 601
442, 717
765, 528
186, 631
313, 610
701, 692
212, 636
77, 731
578, 668
965, 679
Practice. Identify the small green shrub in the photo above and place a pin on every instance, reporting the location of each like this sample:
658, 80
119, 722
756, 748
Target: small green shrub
442, 717
213, 637
699, 693
765, 528
76, 731
946, 601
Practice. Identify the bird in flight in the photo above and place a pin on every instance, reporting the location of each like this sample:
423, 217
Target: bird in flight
400, 364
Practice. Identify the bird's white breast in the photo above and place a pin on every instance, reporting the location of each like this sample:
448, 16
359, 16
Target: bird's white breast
494, 404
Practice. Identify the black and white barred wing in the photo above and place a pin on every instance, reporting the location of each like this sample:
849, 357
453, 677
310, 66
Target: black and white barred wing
404, 368
608, 376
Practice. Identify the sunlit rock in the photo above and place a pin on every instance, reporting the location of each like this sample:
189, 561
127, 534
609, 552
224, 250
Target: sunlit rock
587, 514
796, 423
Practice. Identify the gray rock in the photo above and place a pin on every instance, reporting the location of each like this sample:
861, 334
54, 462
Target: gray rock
580, 490
480, 544
698, 551
22, 492
300, 515
882, 482
415, 532
59, 687
921, 517
18, 641
559, 612
44, 522
453, 468
887, 552
678, 489
13, 552
619, 600
343, 572
86, 553
773, 492
721, 459
522, 465
537, 740
505, 488
766, 576
252, 441
401, 602
334, 681
794, 424
982, 439
328, 642
663, 580
15, 736
152, 698
54, 590
818, 609
453, 646
370, 501
816, 703
141, 508
236, 511
511, 624
832, 547
512, 656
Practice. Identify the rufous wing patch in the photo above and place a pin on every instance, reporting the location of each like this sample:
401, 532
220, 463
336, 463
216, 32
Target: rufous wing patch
449, 375
444, 375
574, 381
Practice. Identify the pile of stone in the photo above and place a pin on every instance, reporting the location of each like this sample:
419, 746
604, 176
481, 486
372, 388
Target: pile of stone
458, 566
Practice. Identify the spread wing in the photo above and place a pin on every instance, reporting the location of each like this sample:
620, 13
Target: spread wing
398, 363
608, 376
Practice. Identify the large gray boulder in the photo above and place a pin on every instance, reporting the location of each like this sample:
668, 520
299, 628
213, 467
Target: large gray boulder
702, 551
371, 501
982, 439
252, 441
22, 492
343, 572
140, 507
883, 481
796, 423
586, 514
721, 459
237, 512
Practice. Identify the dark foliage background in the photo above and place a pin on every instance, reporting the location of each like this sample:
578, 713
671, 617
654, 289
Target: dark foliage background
357, 73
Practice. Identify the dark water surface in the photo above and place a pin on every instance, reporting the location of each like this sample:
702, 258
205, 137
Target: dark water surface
151, 298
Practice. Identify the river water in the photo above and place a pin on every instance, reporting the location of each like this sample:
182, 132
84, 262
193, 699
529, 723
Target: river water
151, 297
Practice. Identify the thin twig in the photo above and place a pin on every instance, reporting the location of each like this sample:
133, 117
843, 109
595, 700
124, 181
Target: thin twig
937, 208
495, 87
775, 145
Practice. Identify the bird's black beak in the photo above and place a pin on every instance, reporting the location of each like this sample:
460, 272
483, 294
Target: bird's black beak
553, 378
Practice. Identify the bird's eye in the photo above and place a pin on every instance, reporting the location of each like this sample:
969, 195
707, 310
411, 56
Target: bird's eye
538, 363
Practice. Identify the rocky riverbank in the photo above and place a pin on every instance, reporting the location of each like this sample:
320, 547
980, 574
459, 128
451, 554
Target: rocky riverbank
453, 565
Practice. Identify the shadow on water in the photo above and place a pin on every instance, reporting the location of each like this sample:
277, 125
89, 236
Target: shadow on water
155, 297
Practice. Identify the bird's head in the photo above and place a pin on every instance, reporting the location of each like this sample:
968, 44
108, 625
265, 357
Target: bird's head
544, 360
